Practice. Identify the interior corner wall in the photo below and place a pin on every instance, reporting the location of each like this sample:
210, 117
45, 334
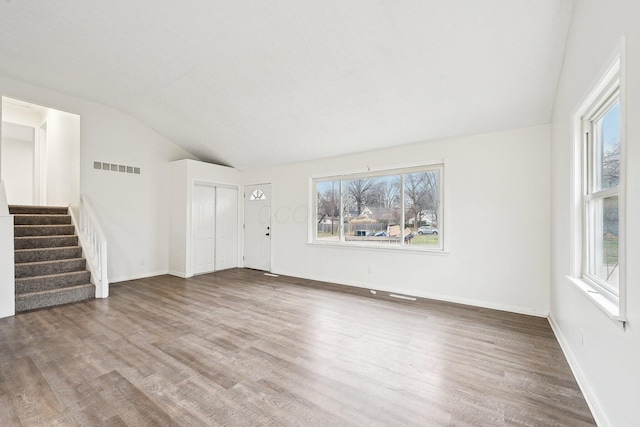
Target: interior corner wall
132, 208
603, 356
183, 175
7, 274
16, 167
496, 191
63, 158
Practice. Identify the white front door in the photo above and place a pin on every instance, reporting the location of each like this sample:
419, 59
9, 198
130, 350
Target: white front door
226, 228
204, 219
257, 227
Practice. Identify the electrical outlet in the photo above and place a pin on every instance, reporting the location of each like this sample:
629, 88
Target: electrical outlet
581, 337
370, 270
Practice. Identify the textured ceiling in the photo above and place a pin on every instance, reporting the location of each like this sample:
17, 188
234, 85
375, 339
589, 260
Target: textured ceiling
253, 83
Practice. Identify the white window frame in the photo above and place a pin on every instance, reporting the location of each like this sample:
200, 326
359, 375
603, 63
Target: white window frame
400, 170
609, 89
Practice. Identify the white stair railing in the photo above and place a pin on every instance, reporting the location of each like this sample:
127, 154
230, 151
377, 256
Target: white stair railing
94, 246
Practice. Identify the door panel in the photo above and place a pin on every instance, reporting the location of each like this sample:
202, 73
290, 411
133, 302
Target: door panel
226, 228
204, 210
257, 227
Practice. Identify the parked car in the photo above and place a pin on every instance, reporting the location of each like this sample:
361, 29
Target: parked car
427, 229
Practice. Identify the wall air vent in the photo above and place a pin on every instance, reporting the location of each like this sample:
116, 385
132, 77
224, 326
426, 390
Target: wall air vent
114, 167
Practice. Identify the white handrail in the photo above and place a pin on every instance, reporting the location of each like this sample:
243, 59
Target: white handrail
94, 245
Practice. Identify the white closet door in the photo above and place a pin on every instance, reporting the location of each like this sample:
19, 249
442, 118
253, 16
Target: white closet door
226, 228
204, 219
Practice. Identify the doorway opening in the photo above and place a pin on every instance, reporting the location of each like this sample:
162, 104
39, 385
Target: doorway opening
39, 154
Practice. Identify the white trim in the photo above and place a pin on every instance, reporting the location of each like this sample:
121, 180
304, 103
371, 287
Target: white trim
590, 396
609, 307
426, 295
612, 83
180, 274
378, 247
139, 276
376, 169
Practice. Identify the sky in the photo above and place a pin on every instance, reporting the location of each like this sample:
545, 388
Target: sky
611, 128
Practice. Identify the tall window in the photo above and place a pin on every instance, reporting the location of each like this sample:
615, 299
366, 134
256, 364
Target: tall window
398, 208
599, 216
601, 196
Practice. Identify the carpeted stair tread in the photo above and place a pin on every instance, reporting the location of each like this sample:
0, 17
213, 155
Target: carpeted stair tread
45, 268
31, 219
51, 281
43, 230
49, 267
47, 254
35, 242
37, 210
50, 298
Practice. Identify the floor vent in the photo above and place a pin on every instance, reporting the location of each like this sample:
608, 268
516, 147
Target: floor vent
402, 297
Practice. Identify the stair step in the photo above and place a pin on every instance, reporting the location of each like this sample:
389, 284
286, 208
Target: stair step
44, 242
47, 254
53, 281
37, 210
45, 268
30, 219
43, 230
41, 299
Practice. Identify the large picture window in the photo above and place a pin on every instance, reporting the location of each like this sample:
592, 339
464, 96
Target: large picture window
399, 208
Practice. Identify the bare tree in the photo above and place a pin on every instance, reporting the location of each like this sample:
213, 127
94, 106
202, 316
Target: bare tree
432, 186
421, 195
361, 191
611, 166
414, 193
389, 194
329, 204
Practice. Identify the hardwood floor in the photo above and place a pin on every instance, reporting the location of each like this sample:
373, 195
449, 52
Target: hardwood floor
240, 348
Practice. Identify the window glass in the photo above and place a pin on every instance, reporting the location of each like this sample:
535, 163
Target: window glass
603, 240
371, 209
328, 210
421, 206
398, 208
607, 149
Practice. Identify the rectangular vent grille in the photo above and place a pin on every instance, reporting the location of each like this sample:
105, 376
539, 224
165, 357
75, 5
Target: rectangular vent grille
113, 167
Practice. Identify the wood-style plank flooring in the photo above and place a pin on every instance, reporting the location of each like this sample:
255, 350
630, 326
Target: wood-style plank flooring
240, 348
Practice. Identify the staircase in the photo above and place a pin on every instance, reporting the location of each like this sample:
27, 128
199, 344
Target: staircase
49, 267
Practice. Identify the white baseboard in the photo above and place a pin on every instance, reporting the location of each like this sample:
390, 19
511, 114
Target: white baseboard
588, 393
410, 292
138, 276
180, 274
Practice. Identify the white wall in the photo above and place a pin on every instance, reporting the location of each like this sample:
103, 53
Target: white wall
7, 281
607, 365
132, 208
183, 175
17, 170
496, 216
63, 158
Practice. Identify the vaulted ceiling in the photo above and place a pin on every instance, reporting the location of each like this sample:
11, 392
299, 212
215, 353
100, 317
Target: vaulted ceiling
253, 83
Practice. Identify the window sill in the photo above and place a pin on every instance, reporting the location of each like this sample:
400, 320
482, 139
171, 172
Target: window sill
610, 308
378, 247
